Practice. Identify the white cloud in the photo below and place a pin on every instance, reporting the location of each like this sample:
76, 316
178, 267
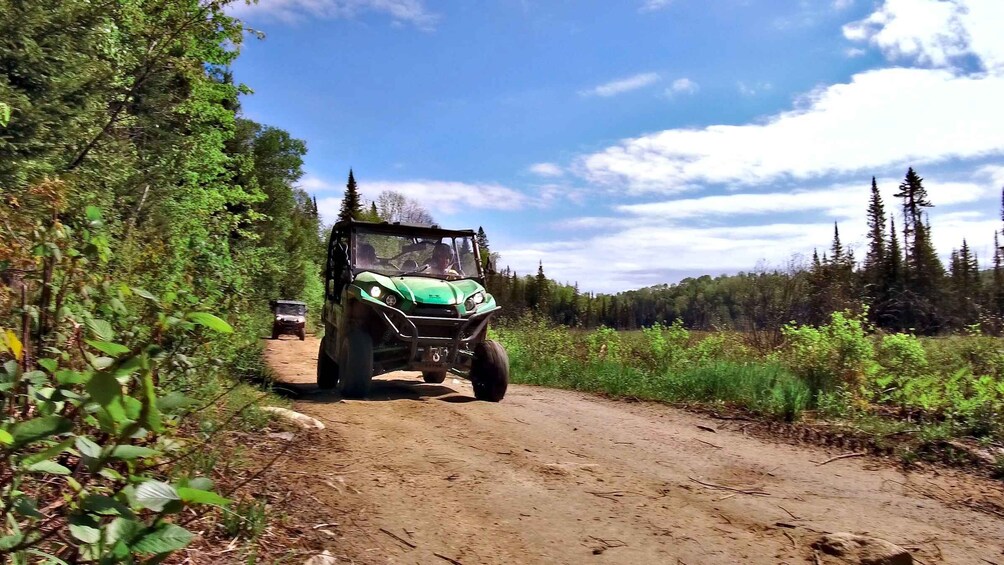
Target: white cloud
935, 32
853, 52
441, 198
842, 4
884, 117
622, 85
411, 12
312, 183
682, 86
546, 170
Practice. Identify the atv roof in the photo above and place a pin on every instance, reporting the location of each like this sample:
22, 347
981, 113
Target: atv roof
289, 302
400, 228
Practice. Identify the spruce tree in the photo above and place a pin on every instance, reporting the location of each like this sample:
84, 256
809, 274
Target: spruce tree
351, 207
875, 259
997, 301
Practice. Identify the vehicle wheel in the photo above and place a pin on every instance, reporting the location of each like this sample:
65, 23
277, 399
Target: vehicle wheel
356, 365
302, 334
434, 377
275, 333
327, 370
490, 371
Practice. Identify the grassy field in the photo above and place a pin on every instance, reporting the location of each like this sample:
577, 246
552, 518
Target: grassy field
880, 384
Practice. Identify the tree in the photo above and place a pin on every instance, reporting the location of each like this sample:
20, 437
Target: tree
393, 206
351, 206
876, 257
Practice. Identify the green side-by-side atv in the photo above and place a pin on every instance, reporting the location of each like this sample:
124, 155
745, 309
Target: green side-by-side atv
403, 297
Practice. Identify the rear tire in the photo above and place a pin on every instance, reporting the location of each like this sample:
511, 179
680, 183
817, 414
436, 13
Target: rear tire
356, 365
275, 333
327, 370
302, 334
490, 371
434, 377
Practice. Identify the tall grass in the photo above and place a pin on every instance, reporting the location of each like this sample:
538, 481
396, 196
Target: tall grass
841, 369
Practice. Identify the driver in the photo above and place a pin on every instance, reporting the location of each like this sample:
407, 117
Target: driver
366, 256
442, 261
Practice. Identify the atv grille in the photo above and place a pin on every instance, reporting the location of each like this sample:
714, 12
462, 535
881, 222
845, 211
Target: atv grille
437, 311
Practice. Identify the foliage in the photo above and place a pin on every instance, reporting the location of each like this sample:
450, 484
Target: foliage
838, 354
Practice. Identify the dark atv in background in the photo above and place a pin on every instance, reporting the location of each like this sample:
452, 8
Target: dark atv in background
403, 297
289, 318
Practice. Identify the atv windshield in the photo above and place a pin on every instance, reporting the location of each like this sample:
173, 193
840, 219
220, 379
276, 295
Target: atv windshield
283, 309
393, 255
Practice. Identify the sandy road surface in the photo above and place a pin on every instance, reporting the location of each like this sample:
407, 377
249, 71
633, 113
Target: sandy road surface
550, 476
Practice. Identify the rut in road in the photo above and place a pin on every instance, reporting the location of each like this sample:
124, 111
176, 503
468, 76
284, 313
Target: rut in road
423, 473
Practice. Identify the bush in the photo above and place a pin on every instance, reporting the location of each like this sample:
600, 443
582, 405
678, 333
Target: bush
839, 354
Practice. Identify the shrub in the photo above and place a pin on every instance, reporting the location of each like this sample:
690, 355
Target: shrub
837, 354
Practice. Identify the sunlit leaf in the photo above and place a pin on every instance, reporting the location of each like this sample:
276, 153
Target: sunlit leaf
108, 347
167, 537
210, 321
49, 467
14, 344
198, 496
155, 495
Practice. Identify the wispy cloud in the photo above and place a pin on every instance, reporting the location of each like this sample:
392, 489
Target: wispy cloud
441, 198
654, 5
547, 170
682, 86
412, 12
622, 85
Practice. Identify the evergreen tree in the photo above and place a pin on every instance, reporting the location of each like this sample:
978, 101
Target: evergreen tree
875, 258
351, 206
922, 270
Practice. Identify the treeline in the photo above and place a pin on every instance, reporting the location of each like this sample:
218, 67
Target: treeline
130, 107
900, 281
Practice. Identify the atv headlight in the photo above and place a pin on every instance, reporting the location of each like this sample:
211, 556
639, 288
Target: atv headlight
376, 291
390, 300
473, 300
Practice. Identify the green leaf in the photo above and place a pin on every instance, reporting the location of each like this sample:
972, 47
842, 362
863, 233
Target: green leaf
101, 329
48, 453
144, 294
128, 452
26, 507
28, 431
6, 438
104, 505
86, 534
155, 495
48, 467
123, 529
210, 321
167, 537
48, 364
8, 542
87, 447
93, 213
108, 347
197, 496
106, 391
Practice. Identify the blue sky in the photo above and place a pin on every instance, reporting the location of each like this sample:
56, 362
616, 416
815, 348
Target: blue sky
635, 142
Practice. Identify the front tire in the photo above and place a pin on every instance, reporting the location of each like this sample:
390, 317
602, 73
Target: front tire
490, 371
434, 377
327, 370
356, 365
302, 334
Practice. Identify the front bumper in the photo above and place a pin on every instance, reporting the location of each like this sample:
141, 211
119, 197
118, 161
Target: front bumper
419, 333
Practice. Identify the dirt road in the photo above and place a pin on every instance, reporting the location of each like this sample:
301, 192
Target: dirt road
422, 473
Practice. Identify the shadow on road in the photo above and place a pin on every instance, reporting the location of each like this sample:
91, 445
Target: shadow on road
380, 390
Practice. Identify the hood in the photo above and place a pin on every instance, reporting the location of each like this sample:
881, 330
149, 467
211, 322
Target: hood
290, 318
424, 290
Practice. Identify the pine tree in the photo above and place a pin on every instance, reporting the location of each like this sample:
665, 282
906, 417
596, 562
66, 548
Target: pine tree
875, 258
351, 206
541, 291
922, 270
997, 302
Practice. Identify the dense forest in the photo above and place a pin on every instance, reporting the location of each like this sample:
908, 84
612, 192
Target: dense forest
141, 217
900, 281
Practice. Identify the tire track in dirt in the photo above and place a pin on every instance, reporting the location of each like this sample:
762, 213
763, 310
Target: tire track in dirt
550, 476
